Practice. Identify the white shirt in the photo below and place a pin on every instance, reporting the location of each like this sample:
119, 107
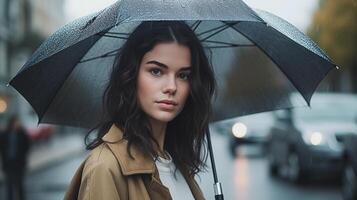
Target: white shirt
179, 188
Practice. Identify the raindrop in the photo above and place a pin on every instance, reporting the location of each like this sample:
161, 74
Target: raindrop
7, 85
183, 4
337, 67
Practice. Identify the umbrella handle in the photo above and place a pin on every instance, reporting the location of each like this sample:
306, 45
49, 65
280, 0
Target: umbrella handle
218, 194
217, 185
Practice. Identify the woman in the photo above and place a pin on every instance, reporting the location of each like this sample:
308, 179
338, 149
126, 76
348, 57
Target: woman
158, 103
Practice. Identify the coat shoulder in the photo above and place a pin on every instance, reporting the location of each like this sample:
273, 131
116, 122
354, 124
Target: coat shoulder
101, 157
99, 177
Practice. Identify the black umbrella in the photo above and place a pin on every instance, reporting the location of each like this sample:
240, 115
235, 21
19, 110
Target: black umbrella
258, 59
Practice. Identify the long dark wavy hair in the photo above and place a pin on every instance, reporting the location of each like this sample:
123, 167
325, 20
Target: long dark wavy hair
185, 134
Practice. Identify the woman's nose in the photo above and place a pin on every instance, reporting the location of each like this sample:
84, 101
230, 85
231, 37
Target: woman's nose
170, 86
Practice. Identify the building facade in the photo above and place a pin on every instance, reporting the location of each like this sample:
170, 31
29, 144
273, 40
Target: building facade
24, 25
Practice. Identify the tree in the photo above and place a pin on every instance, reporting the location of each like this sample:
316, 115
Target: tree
334, 28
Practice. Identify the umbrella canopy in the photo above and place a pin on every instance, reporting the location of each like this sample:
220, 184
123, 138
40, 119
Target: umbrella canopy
258, 59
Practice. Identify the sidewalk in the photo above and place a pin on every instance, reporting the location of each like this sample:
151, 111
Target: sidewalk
60, 147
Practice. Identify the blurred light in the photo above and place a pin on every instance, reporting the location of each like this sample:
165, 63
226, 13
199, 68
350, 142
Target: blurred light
242, 177
316, 138
239, 130
3, 106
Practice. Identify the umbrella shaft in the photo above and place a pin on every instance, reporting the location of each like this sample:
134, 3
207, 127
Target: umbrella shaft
217, 186
210, 150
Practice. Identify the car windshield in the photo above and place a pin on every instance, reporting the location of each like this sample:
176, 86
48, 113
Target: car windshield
329, 110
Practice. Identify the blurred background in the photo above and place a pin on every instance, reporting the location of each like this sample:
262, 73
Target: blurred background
296, 154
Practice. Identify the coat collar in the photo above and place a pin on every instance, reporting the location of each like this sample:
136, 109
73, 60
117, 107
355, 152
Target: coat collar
141, 164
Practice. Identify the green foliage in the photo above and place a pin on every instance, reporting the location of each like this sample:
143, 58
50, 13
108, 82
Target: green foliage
334, 28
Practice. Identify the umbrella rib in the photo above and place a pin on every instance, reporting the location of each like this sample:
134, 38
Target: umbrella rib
114, 35
117, 33
227, 43
108, 54
195, 25
273, 60
210, 30
229, 46
215, 31
224, 27
117, 37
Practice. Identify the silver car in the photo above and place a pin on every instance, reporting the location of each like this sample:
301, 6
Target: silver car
306, 142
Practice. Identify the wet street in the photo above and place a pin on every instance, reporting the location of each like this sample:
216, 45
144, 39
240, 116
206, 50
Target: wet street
245, 177
51, 184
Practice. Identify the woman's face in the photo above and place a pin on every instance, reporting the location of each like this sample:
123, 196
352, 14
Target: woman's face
163, 81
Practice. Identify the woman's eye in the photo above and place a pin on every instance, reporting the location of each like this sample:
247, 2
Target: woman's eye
184, 76
156, 72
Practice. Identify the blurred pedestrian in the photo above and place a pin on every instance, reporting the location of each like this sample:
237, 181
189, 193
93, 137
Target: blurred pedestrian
159, 101
14, 148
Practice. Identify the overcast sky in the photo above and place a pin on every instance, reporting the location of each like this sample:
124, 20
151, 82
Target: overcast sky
298, 13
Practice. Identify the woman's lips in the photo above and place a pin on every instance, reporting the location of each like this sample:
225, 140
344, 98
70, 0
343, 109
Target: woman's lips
166, 106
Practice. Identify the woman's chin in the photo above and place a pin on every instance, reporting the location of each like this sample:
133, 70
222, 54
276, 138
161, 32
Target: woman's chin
164, 117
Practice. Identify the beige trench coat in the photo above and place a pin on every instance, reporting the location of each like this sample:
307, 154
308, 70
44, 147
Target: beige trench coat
109, 173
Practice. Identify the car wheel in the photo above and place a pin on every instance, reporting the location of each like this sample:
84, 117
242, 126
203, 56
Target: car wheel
349, 182
292, 168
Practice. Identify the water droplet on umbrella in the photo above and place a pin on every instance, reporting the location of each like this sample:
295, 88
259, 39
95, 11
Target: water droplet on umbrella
183, 4
337, 67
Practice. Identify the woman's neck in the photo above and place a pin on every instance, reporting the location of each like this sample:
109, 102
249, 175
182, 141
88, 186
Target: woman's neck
159, 132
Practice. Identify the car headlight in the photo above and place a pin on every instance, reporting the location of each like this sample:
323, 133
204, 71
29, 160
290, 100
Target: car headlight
314, 138
239, 130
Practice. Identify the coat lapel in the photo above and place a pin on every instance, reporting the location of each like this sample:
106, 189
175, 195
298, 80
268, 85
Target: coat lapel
144, 165
141, 164
155, 187
194, 187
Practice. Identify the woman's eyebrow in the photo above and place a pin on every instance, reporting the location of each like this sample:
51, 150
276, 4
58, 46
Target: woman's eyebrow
165, 66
